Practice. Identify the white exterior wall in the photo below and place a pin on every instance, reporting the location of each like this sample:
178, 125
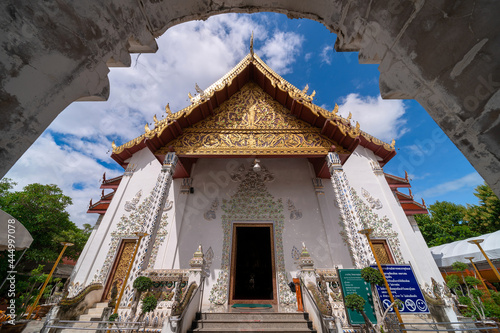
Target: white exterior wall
414, 249
293, 180
143, 178
318, 228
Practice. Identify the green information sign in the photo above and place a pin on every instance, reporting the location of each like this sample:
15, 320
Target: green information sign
352, 283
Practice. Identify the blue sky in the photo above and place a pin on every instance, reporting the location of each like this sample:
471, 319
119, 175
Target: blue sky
75, 150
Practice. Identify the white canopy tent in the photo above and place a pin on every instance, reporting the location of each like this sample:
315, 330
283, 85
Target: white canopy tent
19, 236
447, 254
10, 226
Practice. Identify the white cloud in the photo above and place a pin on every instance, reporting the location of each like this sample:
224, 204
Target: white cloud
46, 162
470, 180
326, 55
73, 152
380, 118
280, 51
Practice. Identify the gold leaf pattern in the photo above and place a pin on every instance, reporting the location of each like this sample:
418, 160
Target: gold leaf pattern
251, 122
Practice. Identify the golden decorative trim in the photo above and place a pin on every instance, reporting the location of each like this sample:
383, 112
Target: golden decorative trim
251, 123
276, 80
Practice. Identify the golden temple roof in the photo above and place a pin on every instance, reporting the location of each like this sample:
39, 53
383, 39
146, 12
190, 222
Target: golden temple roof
329, 124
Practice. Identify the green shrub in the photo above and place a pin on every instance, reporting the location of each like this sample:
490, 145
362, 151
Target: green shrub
113, 317
372, 276
149, 304
142, 283
355, 302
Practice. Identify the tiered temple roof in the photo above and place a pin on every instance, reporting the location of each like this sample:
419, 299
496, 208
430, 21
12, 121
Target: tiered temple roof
280, 119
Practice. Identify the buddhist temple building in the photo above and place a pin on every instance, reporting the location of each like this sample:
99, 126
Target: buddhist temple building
248, 187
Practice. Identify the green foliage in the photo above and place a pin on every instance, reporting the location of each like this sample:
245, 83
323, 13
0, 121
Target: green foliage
113, 317
143, 283
355, 302
149, 304
485, 217
459, 266
453, 281
372, 276
467, 294
448, 222
42, 210
444, 224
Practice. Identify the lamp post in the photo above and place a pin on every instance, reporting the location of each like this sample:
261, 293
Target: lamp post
140, 235
479, 241
48, 278
367, 233
478, 274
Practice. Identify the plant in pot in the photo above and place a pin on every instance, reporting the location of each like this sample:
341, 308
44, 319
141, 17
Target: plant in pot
141, 284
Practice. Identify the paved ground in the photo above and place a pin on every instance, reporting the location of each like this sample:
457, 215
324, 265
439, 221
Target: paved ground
34, 326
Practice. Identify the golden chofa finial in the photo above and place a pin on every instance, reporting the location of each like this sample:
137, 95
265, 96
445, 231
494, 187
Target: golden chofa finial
335, 109
251, 44
146, 128
113, 145
393, 143
306, 88
155, 119
167, 109
190, 96
350, 116
313, 94
358, 127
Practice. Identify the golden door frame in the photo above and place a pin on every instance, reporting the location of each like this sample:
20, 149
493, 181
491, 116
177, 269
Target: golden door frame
232, 276
118, 258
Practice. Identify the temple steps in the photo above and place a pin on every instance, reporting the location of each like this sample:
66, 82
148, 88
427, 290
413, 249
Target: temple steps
92, 314
252, 322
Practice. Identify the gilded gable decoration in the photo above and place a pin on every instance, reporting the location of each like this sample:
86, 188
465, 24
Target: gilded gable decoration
251, 122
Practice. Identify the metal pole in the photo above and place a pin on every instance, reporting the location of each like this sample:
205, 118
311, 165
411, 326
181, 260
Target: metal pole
48, 278
479, 274
477, 242
140, 235
367, 233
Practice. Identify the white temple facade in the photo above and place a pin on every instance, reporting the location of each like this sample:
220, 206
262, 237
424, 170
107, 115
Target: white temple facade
252, 171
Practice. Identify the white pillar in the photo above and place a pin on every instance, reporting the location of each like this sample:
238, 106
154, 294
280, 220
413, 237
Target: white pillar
358, 245
150, 224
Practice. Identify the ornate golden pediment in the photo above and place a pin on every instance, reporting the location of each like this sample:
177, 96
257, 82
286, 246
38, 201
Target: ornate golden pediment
251, 123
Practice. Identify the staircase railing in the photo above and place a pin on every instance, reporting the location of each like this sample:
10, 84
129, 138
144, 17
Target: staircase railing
312, 308
185, 320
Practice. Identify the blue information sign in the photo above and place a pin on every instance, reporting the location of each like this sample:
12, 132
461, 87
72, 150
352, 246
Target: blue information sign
403, 286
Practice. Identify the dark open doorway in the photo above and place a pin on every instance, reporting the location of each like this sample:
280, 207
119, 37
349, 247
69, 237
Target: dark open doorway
252, 273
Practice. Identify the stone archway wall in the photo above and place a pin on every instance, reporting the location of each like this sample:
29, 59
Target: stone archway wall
442, 54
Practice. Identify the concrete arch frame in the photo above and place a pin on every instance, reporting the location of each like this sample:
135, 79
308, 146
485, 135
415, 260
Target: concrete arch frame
444, 54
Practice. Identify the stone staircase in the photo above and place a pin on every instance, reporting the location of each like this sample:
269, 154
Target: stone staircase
92, 314
252, 322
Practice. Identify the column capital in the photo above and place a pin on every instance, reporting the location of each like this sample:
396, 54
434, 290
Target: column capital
170, 162
333, 162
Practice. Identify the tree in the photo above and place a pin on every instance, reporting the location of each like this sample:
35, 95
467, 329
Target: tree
485, 217
354, 302
445, 223
141, 284
42, 210
465, 287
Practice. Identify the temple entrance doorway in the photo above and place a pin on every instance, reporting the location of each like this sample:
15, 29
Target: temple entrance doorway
120, 266
252, 264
